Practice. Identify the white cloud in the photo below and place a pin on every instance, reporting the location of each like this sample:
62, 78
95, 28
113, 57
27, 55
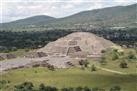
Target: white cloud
17, 9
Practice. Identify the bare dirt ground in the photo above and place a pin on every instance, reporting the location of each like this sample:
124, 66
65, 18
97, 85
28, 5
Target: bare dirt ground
59, 62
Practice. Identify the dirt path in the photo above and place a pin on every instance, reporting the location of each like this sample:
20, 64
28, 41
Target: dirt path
112, 71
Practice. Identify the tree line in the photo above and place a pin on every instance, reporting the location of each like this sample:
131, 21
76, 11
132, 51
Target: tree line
18, 40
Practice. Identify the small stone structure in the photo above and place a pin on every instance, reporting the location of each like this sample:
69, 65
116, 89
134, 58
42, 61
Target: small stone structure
4, 56
36, 55
1, 58
38, 64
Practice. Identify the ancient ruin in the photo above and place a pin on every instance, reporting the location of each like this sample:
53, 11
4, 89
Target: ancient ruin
35, 55
79, 44
65, 52
4, 56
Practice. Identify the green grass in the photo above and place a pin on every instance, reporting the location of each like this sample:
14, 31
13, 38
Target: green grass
114, 65
20, 52
70, 78
74, 77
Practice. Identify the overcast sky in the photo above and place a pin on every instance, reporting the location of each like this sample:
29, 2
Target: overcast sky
17, 9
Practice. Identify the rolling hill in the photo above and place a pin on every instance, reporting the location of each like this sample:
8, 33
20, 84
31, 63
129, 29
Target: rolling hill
30, 21
118, 16
111, 16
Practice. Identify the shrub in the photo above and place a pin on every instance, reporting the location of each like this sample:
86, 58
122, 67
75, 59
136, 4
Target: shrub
26, 86
103, 60
115, 88
51, 67
64, 89
3, 83
93, 68
42, 87
123, 64
103, 51
97, 89
115, 56
78, 89
71, 89
86, 89
84, 63
131, 56
81, 62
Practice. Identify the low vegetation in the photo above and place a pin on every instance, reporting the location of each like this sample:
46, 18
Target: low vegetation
28, 86
73, 77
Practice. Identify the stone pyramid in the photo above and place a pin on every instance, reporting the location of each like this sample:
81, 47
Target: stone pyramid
78, 43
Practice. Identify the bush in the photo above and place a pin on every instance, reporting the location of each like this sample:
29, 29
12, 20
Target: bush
3, 83
86, 89
115, 88
79, 89
26, 86
123, 64
97, 89
103, 51
131, 56
115, 56
103, 60
51, 67
71, 89
42, 87
84, 63
65, 89
93, 68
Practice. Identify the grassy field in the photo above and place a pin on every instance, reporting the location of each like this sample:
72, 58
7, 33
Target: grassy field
20, 52
72, 77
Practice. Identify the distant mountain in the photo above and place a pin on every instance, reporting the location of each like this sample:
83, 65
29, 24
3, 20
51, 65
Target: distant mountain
111, 16
118, 16
30, 21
